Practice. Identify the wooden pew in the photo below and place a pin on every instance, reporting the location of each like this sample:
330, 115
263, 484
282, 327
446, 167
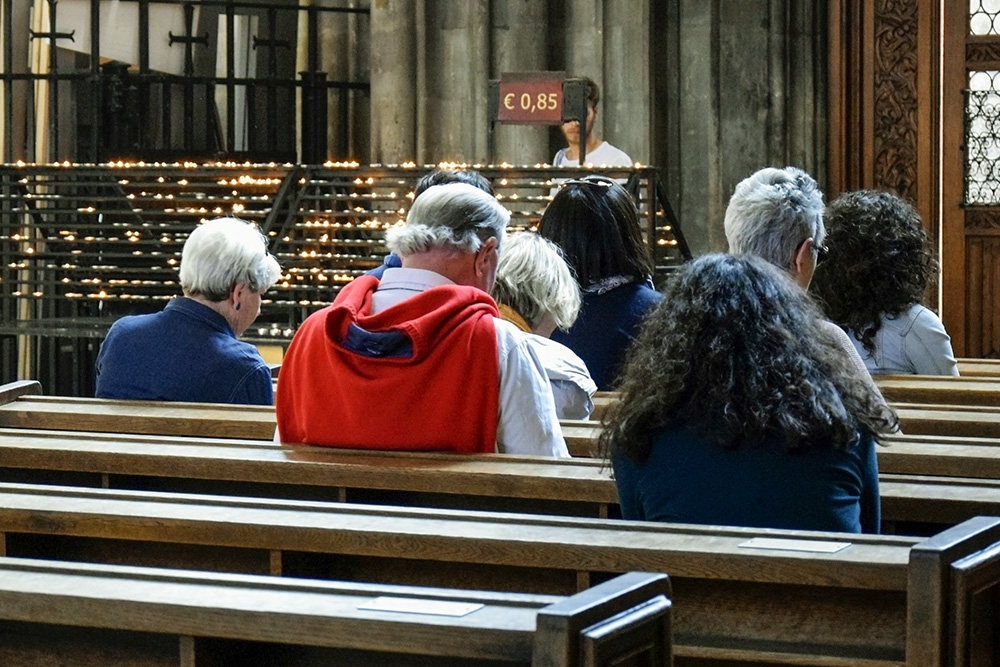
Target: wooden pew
979, 367
257, 422
913, 501
972, 391
820, 599
89, 615
33, 410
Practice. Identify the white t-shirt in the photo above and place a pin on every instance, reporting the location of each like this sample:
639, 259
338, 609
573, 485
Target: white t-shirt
605, 154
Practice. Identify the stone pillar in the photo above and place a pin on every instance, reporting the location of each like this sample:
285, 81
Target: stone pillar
457, 49
625, 103
393, 81
585, 45
749, 85
699, 202
519, 45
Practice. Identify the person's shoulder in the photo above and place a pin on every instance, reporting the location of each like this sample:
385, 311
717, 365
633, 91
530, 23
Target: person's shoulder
130, 324
613, 156
560, 359
835, 332
922, 317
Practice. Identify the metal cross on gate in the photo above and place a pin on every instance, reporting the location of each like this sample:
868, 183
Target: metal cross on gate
188, 40
271, 43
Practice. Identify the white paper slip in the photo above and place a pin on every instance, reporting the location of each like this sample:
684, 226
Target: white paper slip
416, 606
781, 544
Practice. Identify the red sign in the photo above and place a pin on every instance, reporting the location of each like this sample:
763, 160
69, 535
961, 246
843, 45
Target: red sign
530, 98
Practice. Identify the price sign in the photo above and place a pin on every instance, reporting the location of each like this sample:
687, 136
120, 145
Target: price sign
531, 98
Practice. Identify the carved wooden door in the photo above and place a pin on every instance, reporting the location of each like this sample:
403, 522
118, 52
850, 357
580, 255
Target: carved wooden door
971, 176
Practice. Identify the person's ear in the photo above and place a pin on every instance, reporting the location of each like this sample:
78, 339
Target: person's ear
486, 258
236, 295
802, 256
804, 264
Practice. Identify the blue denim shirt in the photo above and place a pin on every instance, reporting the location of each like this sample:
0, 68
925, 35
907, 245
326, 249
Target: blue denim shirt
185, 352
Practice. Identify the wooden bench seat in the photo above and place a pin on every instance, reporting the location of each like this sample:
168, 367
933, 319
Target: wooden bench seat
91, 615
917, 493
938, 389
969, 367
821, 599
32, 410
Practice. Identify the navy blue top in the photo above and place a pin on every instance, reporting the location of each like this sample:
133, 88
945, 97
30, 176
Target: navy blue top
391, 261
689, 480
185, 352
607, 325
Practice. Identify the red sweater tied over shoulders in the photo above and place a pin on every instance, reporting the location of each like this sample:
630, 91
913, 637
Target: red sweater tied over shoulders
420, 375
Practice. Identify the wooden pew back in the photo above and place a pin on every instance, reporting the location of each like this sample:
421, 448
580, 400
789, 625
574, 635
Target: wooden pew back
912, 501
88, 615
841, 599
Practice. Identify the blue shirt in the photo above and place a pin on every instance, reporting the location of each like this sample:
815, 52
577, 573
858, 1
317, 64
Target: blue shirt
606, 327
391, 261
185, 352
687, 479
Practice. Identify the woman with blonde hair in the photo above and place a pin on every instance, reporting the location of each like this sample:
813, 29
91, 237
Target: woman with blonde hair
535, 290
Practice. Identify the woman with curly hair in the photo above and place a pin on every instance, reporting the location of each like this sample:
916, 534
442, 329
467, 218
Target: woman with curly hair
595, 223
872, 280
738, 409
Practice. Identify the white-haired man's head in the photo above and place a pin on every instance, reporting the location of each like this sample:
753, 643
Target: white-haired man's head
446, 227
777, 215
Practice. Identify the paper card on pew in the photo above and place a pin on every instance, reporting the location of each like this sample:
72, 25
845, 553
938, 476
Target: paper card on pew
418, 606
813, 546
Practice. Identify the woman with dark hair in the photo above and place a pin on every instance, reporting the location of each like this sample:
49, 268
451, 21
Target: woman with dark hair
596, 224
872, 280
738, 409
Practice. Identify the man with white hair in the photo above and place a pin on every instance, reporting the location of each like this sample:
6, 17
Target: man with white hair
190, 350
420, 360
777, 215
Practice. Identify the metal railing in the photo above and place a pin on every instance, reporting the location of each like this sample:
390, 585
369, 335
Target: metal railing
81, 245
272, 89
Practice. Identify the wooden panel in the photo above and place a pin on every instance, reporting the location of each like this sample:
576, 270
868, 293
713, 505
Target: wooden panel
731, 601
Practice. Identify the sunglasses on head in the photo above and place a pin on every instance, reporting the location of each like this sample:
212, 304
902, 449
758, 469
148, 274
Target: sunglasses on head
592, 181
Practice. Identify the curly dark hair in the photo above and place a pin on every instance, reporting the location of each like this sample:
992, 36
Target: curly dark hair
877, 265
596, 224
737, 353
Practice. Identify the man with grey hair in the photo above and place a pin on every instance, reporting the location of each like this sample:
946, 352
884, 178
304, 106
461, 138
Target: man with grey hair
777, 215
190, 351
420, 360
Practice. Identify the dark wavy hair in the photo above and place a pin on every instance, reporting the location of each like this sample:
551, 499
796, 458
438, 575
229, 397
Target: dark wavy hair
736, 352
596, 224
878, 262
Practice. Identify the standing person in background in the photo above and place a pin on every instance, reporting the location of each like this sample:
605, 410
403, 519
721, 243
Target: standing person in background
739, 409
873, 279
536, 292
598, 152
189, 351
595, 223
